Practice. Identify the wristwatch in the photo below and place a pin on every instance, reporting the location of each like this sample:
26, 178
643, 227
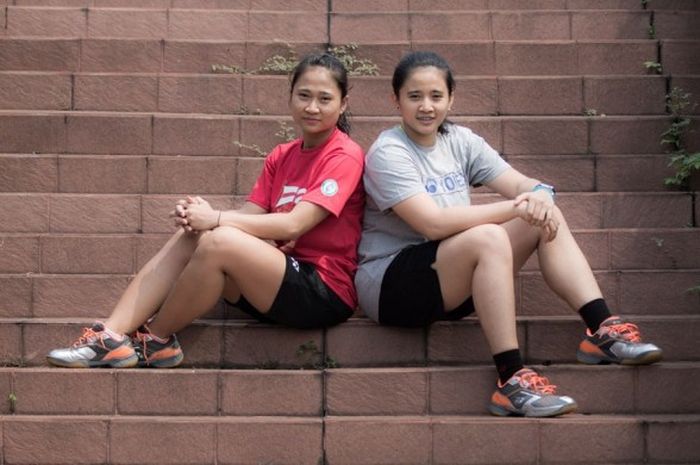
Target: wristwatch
545, 187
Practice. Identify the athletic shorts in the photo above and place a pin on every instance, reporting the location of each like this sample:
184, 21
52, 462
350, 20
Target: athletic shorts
410, 294
303, 301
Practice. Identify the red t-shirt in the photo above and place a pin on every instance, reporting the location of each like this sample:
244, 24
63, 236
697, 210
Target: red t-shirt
330, 176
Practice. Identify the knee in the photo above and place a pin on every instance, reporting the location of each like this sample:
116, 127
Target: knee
212, 243
492, 240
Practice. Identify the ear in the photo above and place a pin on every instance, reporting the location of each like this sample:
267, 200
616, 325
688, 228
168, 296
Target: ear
343, 104
394, 100
452, 101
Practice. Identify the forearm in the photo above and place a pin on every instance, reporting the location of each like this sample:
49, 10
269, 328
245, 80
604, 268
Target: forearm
452, 220
271, 226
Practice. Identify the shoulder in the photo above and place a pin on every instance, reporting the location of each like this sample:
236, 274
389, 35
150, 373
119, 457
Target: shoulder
343, 145
390, 143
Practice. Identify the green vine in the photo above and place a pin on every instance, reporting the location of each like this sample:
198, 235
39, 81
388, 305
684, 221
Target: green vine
685, 163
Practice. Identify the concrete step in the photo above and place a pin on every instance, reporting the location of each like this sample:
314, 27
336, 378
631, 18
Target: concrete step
370, 96
659, 389
277, 5
356, 343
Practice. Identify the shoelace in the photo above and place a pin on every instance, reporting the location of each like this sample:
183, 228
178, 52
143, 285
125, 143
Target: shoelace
537, 383
89, 335
627, 331
141, 337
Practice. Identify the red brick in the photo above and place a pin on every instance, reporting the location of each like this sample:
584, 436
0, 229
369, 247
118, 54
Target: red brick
535, 59
261, 346
664, 389
677, 24
531, 5
372, 27
267, 95
553, 340
260, 132
114, 135
20, 254
39, 54
202, 345
28, 173
538, 299
73, 392
410, 439
295, 5
568, 173
610, 25
34, 215
198, 57
525, 25
56, 3
40, 337
471, 441
453, 26
364, 343
490, 129
462, 342
621, 57
674, 440
592, 440
690, 84
209, 25
10, 344
104, 174
61, 440
5, 391
36, 133
115, 92
212, 4
677, 345
286, 440
680, 56
365, 130
25, 91
343, 6
386, 391
621, 135
156, 211
249, 169
475, 96
121, 55
87, 254
462, 390
604, 5
132, 3
667, 290
202, 135
676, 5
276, 392
540, 96
127, 24
84, 296
16, 296
191, 175
200, 94
52, 22
540, 136
147, 246
581, 210
257, 53
171, 392
95, 214
647, 211
619, 173
287, 26
657, 249
191, 441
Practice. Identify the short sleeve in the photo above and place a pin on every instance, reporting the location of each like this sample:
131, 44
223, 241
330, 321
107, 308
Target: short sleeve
484, 164
335, 181
391, 176
262, 190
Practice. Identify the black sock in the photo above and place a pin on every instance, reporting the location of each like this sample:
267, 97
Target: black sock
594, 313
508, 363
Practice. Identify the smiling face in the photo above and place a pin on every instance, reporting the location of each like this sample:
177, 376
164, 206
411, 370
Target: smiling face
424, 100
316, 104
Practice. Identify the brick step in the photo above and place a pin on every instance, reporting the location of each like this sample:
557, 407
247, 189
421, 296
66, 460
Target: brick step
119, 133
414, 440
277, 5
356, 343
370, 96
485, 57
659, 389
125, 174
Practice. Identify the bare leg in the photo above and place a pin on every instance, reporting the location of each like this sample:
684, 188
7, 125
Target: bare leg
478, 262
151, 285
227, 261
564, 267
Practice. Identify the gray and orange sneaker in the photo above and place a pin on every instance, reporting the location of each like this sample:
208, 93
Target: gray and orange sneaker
617, 341
155, 353
527, 394
95, 348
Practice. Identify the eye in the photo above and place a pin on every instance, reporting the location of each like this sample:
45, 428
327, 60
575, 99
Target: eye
326, 98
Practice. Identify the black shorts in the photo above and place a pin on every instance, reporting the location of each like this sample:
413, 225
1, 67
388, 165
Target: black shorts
303, 301
410, 295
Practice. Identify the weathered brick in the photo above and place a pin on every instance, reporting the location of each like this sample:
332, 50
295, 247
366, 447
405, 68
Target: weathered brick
568, 173
621, 135
70, 391
370, 5
677, 345
690, 84
267, 346
677, 5
679, 56
10, 344
275, 392
677, 24
467, 58
95, 214
525, 25
39, 338
34, 215
477, 96
615, 57
655, 249
156, 210
603, 5
544, 136
20, 254
266, 95
619, 25
674, 440
626, 96
258, 53
452, 26
83, 296
202, 345
169, 392
462, 341
372, 27
258, 134
162, 4
203, 135
102, 175
209, 25
198, 57
553, 341
539, 300
581, 210
249, 169
16, 296
28, 54
461, 391
659, 292
287, 26
540, 96
191, 175
121, 55
664, 389
86, 254
114, 135
128, 24
620, 173
36, 133
490, 129
115, 92
647, 211
28, 173
365, 131
5, 391
51, 22
535, 59
213, 4
200, 94
289, 5
35, 91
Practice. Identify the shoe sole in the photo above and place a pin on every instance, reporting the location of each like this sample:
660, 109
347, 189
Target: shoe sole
129, 362
644, 359
499, 411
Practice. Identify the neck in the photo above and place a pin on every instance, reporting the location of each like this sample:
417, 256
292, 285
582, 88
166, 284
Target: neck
314, 140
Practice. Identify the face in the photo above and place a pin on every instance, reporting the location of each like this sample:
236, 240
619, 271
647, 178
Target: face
316, 104
424, 101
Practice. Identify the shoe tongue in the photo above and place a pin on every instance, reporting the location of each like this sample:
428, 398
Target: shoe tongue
613, 320
97, 327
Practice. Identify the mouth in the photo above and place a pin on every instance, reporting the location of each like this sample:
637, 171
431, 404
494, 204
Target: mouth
425, 119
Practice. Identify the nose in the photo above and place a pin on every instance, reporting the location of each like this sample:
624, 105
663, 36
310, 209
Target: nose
312, 107
426, 105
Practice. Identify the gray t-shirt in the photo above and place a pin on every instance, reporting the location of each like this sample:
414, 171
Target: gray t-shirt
396, 168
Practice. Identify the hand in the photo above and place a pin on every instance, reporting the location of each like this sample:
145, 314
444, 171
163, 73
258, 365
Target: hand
287, 247
540, 207
550, 229
200, 215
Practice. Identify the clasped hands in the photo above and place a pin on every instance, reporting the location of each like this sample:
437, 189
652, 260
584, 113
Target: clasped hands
537, 209
194, 214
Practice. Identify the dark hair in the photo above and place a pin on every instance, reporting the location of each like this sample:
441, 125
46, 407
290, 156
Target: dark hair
339, 73
420, 59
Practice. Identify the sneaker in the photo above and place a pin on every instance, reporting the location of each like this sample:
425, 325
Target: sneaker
155, 354
95, 348
617, 341
528, 394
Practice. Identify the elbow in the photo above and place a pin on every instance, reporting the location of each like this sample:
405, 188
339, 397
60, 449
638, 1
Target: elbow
432, 232
293, 231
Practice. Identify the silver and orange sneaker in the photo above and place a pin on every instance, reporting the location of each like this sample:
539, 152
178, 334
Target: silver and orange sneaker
154, 354
95, 348
527, 394
617, 341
